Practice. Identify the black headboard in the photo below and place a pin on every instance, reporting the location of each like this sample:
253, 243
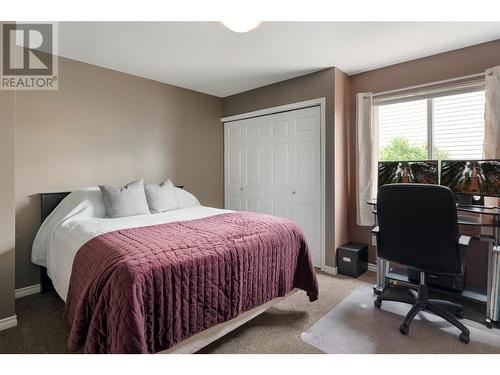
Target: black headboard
49, 202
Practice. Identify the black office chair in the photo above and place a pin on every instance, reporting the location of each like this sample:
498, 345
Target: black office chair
418, 228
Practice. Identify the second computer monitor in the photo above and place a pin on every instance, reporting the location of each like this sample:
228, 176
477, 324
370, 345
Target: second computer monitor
419, 172
472, 177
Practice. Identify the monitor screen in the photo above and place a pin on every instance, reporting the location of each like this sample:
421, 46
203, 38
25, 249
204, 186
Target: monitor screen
472, 177
418, 172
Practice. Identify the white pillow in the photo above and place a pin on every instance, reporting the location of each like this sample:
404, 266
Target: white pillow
122, 201
186, 199
162, 197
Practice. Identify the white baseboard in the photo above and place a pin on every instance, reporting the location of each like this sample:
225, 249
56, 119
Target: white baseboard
9, 322
372, 267
330, 270
27, 291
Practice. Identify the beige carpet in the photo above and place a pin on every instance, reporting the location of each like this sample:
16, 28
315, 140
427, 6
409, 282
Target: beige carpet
356, 326
278, 330
41, 328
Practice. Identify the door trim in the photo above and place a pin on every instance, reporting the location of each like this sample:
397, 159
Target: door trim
321, 102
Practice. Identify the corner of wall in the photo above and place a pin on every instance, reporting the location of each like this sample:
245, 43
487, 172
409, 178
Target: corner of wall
341, 149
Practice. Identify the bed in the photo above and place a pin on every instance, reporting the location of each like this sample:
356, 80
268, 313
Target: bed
165, 283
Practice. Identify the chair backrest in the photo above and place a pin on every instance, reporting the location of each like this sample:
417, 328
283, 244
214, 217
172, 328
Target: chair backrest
418, 227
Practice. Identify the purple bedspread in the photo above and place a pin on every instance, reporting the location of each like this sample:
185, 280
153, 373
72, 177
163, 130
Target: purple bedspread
143, 290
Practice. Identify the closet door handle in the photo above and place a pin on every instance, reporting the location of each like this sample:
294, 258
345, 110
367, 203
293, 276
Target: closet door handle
293, 192
241, 188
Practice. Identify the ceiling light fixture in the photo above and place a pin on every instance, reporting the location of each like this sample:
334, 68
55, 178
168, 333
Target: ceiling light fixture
241, 26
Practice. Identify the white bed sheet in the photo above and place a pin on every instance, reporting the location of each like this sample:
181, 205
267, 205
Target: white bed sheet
73, 223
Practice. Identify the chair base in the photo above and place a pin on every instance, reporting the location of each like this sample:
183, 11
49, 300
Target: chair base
420, 301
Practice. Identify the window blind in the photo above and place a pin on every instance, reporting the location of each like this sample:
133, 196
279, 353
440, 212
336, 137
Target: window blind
458, 125
403, 120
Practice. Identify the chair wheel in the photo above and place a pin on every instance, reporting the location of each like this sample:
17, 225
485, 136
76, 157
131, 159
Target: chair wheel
404, 329
459, 313
377, 303
464, 337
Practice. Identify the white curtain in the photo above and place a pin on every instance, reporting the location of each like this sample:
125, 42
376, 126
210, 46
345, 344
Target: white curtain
492, 114
366, 157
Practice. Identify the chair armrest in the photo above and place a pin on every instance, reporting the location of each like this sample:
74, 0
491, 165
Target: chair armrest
375, 230
464, 241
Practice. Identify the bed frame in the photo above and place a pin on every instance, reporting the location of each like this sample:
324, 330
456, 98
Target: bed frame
49, 201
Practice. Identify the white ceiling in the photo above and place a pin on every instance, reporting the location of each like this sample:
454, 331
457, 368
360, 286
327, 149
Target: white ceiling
207, 57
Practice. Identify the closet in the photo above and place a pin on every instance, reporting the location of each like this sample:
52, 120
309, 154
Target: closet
273, 165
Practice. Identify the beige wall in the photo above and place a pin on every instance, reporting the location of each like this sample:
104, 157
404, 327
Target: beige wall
7, 213
312, 86
103, 126
447, 65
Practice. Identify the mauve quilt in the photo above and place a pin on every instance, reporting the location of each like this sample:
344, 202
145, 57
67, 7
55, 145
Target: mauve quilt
143, 290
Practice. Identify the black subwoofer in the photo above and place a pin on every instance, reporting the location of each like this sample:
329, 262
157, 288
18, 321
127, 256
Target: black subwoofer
352, 259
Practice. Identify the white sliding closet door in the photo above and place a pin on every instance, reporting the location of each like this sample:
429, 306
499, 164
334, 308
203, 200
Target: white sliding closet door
273, 165
294, 157
244, 155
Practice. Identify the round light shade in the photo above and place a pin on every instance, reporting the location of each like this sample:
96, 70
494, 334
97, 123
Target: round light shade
241, 26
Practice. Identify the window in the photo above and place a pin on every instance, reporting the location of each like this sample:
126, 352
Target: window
449, 126
403, 131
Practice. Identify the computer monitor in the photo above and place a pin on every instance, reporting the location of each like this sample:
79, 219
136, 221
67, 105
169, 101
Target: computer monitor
472, 177
419, 172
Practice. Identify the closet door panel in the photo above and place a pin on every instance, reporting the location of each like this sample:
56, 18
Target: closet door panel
284, 209
254, 164
308, 219
307, 178
280, 163
254, 204
279, 172
234, 203
235, 155
255, 192
306, 159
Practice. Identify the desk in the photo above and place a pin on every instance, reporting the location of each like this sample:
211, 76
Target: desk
472, 216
